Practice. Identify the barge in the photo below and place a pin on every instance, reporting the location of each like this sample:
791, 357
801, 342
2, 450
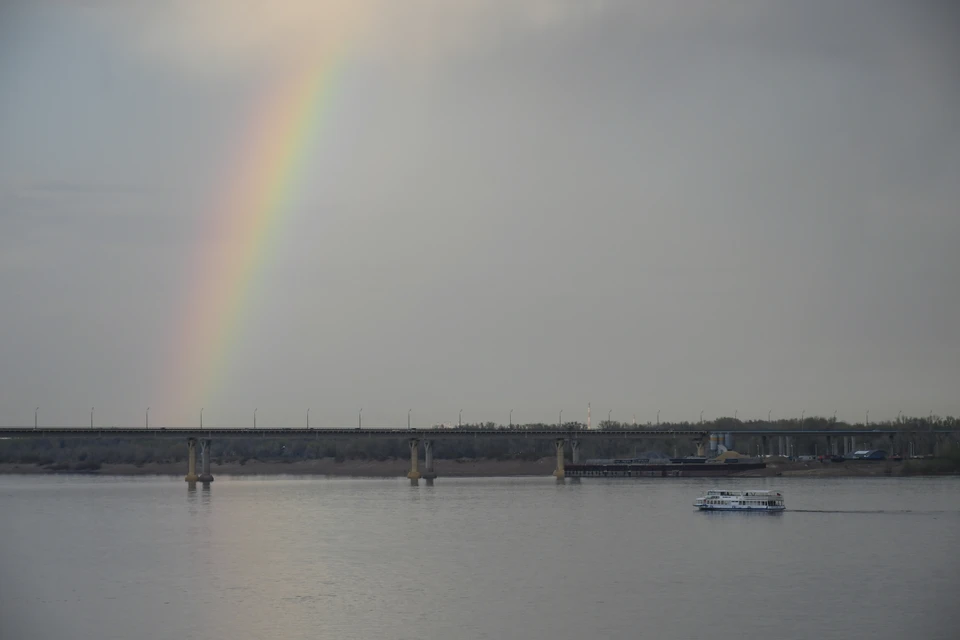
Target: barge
669, 468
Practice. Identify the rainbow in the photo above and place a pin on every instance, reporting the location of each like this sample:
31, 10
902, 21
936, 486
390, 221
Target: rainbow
242, 229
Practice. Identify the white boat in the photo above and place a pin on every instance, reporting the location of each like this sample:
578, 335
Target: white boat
750, 500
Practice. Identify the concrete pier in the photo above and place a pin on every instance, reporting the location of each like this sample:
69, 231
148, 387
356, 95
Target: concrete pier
575, 451
428, 472
559, 471
191, 460
205, 475
414, 459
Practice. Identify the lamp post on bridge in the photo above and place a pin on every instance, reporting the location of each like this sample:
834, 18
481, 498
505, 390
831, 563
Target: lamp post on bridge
609, 421
146, 421
768, 415
511, 417
560, 420
255, 418
35, 412
802, 413
460, 419
658, 417
408, 418
308, 417
201, 417
701, 416
91, 417
360, 419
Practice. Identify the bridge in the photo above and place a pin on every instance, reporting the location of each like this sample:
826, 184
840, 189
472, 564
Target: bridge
781, 440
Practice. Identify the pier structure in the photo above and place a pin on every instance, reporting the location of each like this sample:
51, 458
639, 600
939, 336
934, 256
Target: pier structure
414, 473
428, 473
559, 471
205, 475
191, 461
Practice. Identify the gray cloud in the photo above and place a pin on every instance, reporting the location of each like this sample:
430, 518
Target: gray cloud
745, 206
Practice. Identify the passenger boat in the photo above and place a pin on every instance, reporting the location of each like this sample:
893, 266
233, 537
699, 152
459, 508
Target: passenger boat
750, 500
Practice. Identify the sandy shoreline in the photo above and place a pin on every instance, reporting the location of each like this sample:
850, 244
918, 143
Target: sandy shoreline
444, 468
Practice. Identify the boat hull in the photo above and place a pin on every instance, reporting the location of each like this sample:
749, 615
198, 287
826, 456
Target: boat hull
714, 507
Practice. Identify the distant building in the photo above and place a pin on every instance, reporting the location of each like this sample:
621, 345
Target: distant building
870, 454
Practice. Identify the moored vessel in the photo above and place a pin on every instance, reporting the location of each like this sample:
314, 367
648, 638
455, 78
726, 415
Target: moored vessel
733, 500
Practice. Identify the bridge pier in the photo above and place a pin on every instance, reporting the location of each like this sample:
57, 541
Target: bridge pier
700, 451
428, 473
559, 471
205, 475
575, 451
414, 459
191, 460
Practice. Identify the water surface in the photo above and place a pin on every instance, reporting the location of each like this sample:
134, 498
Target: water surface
91, 558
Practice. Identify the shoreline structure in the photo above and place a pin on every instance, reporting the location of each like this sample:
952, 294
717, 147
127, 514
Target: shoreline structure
398, 467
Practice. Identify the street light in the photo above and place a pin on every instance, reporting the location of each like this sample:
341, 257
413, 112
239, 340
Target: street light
147, 419
658, 417
899, 413
734, 414
561, 419
255, 418
91, 417
511, 417
201, 417
360, 419
35, 412
308, 417
608, 416
802, 413
768, 415
701, 417
408, 418
460, 419
868, 418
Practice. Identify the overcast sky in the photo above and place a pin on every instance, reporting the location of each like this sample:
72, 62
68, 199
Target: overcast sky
717, 206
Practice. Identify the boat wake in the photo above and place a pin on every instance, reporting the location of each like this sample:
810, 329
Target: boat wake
910, 511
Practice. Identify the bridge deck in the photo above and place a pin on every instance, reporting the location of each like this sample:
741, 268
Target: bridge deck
352, 432
430, 433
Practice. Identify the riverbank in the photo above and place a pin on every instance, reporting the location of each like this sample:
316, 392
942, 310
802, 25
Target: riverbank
398, 467
814, 469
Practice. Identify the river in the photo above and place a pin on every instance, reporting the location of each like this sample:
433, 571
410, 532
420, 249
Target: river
97, 558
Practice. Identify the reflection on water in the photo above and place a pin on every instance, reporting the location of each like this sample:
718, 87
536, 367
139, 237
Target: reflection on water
94, 558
